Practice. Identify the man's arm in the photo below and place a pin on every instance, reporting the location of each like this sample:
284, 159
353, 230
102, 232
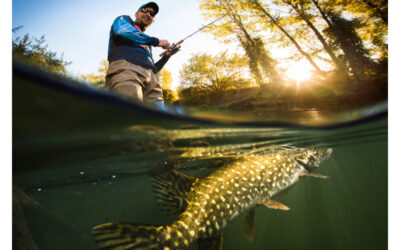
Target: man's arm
160, 63
168, 53
122, 27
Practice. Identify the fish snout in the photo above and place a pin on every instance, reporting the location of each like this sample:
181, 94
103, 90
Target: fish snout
312, 158
327, 154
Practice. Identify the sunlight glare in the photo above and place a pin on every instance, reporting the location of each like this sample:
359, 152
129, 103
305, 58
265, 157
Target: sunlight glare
299, 71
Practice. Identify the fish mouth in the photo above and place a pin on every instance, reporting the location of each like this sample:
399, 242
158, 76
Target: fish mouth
329, 152
323, 154
327, 155
308, 168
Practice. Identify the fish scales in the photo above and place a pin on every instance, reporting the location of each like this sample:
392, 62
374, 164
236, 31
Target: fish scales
213, 201
224, 194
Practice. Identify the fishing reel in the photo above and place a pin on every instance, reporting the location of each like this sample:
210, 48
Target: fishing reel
173, 49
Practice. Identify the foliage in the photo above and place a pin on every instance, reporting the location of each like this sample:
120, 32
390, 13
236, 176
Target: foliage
265, 15
240, 27
170, 95
165, 78
261, 65
373, 19
345, 36
99, 79
363, 23
344, 40
34, 51
215, 73
195, 96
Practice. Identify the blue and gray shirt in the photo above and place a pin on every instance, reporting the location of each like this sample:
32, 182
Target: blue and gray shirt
126, 40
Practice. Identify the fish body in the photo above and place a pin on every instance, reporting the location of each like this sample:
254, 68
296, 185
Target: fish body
212, 202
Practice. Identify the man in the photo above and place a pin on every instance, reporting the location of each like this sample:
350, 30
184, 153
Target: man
132, 70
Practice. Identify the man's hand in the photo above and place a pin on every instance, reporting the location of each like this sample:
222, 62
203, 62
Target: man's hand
172, 50
164, 44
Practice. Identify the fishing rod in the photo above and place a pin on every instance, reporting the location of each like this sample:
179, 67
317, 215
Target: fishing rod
174, 48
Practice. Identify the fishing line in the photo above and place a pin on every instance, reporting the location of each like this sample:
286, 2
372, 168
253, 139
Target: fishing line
174, 48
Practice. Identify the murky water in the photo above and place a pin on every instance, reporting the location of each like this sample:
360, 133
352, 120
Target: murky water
79, 162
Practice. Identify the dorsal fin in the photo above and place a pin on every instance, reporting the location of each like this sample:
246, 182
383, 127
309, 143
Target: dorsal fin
172, 188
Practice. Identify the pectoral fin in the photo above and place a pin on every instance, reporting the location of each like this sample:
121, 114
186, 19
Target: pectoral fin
249, 225
316, 175
211, 243
273, 204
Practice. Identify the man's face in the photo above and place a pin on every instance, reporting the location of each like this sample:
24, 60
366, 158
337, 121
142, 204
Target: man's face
144, 16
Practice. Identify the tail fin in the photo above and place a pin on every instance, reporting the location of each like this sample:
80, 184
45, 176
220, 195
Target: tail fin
127, 235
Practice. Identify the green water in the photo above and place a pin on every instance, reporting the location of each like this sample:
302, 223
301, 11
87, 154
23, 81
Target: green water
79, 162
83, 187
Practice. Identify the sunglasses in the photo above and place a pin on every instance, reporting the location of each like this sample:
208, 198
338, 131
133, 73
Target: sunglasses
144, 10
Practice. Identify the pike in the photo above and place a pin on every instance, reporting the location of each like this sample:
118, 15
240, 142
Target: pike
208, 204
175, 47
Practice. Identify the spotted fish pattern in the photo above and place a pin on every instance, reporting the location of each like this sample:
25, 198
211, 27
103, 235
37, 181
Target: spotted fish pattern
213, 201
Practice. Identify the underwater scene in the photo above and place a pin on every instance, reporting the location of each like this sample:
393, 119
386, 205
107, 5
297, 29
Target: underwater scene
93, 170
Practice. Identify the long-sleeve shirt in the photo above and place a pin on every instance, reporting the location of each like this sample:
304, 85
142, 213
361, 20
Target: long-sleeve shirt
128, 42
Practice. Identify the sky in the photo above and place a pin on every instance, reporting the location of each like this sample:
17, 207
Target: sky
80, 29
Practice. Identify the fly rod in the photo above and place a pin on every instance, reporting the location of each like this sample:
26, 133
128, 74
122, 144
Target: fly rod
174, 48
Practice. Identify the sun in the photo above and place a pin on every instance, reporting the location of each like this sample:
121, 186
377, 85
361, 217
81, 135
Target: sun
299, 71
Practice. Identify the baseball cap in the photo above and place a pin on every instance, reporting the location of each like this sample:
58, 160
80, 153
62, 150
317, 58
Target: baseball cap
152, 5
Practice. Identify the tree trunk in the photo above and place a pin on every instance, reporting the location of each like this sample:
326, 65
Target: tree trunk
383, 14
327, 48
324, 16
253, 50
346, 37
307, 56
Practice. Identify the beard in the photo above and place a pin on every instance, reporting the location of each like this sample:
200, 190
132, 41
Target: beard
143, 21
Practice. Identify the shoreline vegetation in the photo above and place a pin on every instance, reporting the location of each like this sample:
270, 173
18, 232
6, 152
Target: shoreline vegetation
344, 42
312, 95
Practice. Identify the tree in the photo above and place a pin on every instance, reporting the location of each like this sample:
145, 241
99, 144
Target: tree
260, 63
344, 34
302, 9
215, 73
170, 95
99, 79
373, 16
263, 12
349, 34
165, 78
34, 51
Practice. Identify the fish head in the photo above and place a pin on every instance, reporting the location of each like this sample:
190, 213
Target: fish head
311, 158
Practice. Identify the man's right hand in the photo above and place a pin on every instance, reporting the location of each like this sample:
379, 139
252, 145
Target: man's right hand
164, 44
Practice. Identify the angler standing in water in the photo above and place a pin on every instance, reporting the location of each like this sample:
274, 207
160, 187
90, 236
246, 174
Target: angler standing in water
208, 204
132, 70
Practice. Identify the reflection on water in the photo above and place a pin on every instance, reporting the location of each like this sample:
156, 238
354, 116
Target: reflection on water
293, 116
314, 114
